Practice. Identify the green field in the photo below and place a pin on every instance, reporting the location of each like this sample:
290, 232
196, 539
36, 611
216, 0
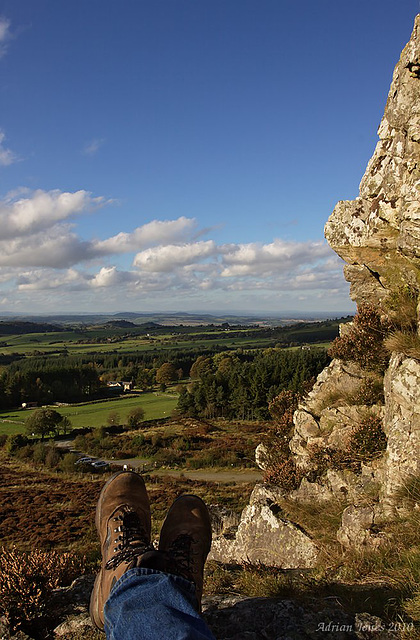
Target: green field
95, 340
95, 414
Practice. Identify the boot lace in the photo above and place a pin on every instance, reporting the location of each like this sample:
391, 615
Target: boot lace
181, 556
132, 540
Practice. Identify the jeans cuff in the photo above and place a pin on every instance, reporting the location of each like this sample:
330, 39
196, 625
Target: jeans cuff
144, 571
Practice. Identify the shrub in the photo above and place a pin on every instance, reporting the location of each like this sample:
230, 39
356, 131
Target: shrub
157, 440
368, 439
323, 458
52, 457
135, 417
15, 442
213, 458
25, 453
40, 453
138, 441
168, 457
27, 580
100, 433
282, 408
363, 342
3, 440
283, 471
67, 462
80, 443
181, 444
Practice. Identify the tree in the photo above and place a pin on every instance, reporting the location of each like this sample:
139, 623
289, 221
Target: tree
201, 367
65, 424
135, 417
43, 422
166, 373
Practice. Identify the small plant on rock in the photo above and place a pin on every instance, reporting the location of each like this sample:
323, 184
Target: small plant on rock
368, 439
363, 342
369, 392
282, 471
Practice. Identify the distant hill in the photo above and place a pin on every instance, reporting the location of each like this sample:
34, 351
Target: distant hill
168, 319
120, 324
17, 327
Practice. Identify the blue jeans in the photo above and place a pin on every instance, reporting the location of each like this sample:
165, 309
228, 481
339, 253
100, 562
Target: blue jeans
146, 604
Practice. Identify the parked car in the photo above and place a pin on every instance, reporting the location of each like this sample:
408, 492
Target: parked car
84, 460
100, 465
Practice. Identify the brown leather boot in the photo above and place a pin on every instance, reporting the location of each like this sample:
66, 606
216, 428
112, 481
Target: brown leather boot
123, 523
185, 540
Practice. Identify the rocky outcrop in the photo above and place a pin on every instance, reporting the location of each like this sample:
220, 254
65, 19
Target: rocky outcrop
402, 426
378, 233
265, 536
378, 236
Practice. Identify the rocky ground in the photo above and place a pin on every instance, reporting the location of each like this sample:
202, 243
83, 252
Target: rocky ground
230, 617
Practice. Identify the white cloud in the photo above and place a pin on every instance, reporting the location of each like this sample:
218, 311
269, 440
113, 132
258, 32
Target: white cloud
42, 255
7, 156
48, 279
257, 259
27, 215
57, 248
5, 35
93, 146
112, 277
166, 258
154, 232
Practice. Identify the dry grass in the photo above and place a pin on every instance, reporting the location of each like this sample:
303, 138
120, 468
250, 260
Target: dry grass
406, 342
367, 391
320, 520
401, 307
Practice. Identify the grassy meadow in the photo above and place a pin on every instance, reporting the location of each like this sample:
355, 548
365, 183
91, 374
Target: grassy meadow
95, 414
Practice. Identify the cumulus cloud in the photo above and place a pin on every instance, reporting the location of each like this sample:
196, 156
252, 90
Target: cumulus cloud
49, 279
57, 247
42, 255
112, 277
5, 35
166, 258
254, 258
7, 156
154, 232
21, 216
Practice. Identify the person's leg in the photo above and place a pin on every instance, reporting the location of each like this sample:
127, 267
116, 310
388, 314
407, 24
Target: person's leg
124, 524
147, 604
185, 540
137, 595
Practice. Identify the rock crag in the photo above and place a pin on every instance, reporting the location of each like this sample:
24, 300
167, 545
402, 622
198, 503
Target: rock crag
378, 236
378, 233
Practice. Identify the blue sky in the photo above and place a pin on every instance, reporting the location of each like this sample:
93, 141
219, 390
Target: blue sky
185, 155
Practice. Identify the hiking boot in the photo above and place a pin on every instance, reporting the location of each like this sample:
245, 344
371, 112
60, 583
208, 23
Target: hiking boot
123, 523
185, 540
